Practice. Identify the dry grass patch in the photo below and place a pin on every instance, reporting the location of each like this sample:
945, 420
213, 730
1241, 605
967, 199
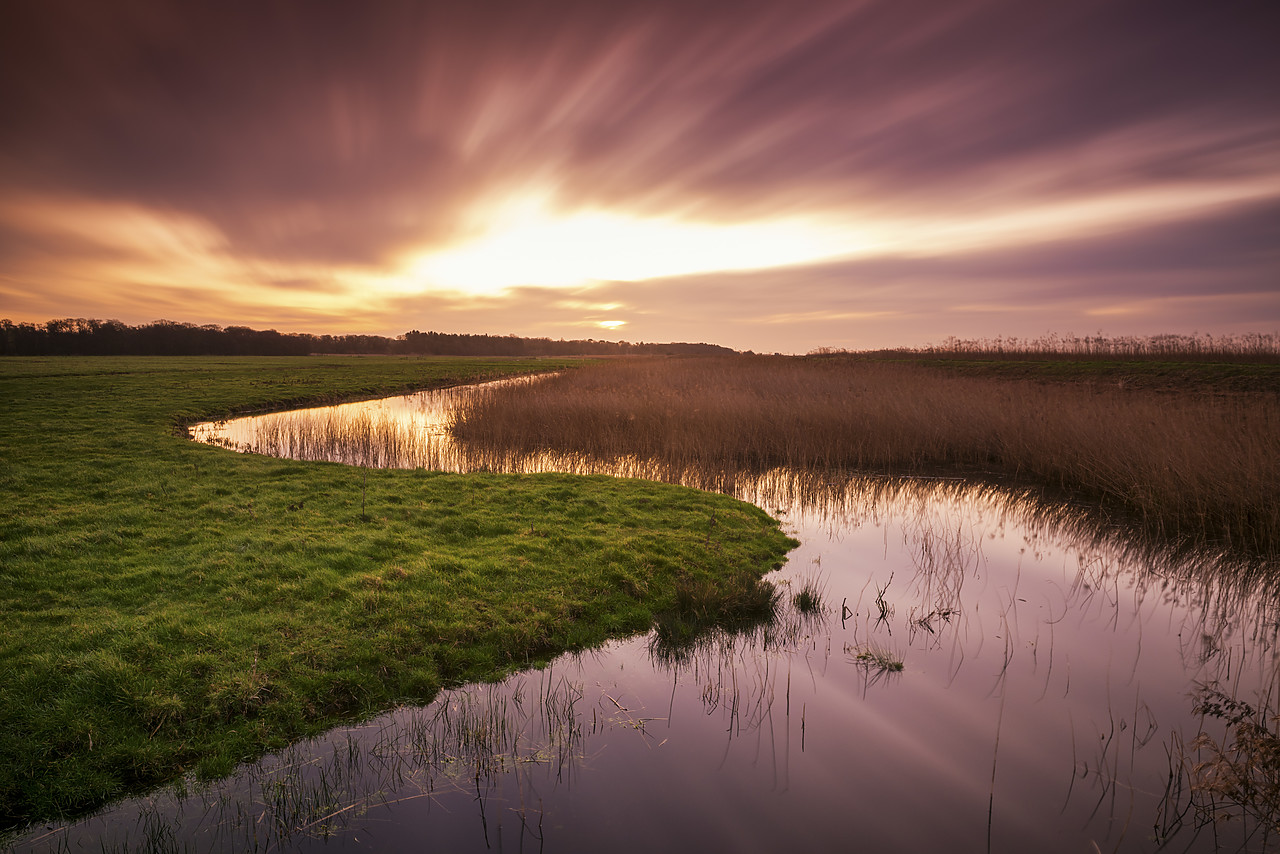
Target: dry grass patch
1194, 465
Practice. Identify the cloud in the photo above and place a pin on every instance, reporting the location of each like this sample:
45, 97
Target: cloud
1182, 276
296, 157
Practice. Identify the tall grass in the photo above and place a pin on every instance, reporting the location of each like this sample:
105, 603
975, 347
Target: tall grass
359, 440
1198, 466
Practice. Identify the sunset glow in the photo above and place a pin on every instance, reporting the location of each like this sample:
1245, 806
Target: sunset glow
529, 245
772, 178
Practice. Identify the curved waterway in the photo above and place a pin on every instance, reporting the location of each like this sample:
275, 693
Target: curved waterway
986, 673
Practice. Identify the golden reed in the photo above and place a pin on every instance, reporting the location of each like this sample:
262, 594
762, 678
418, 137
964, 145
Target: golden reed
1183, 465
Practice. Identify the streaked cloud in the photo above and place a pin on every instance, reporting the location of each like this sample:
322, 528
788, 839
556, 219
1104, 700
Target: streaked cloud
758, 174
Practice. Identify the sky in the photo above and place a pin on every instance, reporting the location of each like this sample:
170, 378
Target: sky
773, 176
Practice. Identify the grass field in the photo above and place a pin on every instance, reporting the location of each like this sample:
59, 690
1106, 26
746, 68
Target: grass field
167, 606
1183, 452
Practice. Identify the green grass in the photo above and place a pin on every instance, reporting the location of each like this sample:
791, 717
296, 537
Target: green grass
703, 606
166, 606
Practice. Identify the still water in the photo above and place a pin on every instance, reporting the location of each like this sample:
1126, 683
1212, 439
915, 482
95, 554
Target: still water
1052, 694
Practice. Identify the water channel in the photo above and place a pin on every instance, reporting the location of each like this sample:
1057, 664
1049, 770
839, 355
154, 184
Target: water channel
986, 673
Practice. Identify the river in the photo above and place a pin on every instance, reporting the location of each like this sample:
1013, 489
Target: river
987, 672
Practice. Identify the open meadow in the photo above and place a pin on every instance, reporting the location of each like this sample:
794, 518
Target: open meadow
168, 606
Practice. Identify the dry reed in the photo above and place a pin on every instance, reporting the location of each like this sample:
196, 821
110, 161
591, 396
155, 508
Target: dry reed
1245, 346
1185, 466
1232, 778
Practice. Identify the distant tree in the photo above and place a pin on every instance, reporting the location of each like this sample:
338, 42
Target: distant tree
86, 337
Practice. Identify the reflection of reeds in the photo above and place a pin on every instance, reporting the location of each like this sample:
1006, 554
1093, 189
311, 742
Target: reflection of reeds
736, 663
477, 734
1185, 465
471, 744
467, 743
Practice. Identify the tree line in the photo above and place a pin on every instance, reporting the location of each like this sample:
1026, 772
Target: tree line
90, 337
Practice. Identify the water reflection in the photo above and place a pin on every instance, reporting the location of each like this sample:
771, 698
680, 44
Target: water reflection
983, 670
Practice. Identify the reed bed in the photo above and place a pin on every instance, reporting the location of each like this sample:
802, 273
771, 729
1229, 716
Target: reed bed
1184, 466
1246, 346
359, 440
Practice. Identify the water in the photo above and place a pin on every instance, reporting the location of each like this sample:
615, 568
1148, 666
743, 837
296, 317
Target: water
1047, 697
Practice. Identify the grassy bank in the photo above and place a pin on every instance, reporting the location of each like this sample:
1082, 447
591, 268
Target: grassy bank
1185, 452
167, 606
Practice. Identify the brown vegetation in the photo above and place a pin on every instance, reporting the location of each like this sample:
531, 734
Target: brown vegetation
1194, 465
1248, 346
1232, 778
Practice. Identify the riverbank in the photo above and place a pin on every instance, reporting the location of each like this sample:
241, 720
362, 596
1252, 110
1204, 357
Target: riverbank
169, 606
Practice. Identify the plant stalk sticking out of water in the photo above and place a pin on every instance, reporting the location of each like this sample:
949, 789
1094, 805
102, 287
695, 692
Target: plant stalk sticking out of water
886, 610
1241, 773
874, 658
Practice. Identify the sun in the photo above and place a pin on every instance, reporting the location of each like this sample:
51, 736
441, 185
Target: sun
525, 242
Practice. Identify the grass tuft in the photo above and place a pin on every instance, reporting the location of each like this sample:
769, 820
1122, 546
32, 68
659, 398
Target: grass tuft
704, 606
810, 598
876, 658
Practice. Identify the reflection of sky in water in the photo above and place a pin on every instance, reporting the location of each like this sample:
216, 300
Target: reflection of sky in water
1031, 644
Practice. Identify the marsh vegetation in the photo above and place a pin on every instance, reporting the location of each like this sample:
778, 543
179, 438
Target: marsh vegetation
1230, 348
1181, 463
